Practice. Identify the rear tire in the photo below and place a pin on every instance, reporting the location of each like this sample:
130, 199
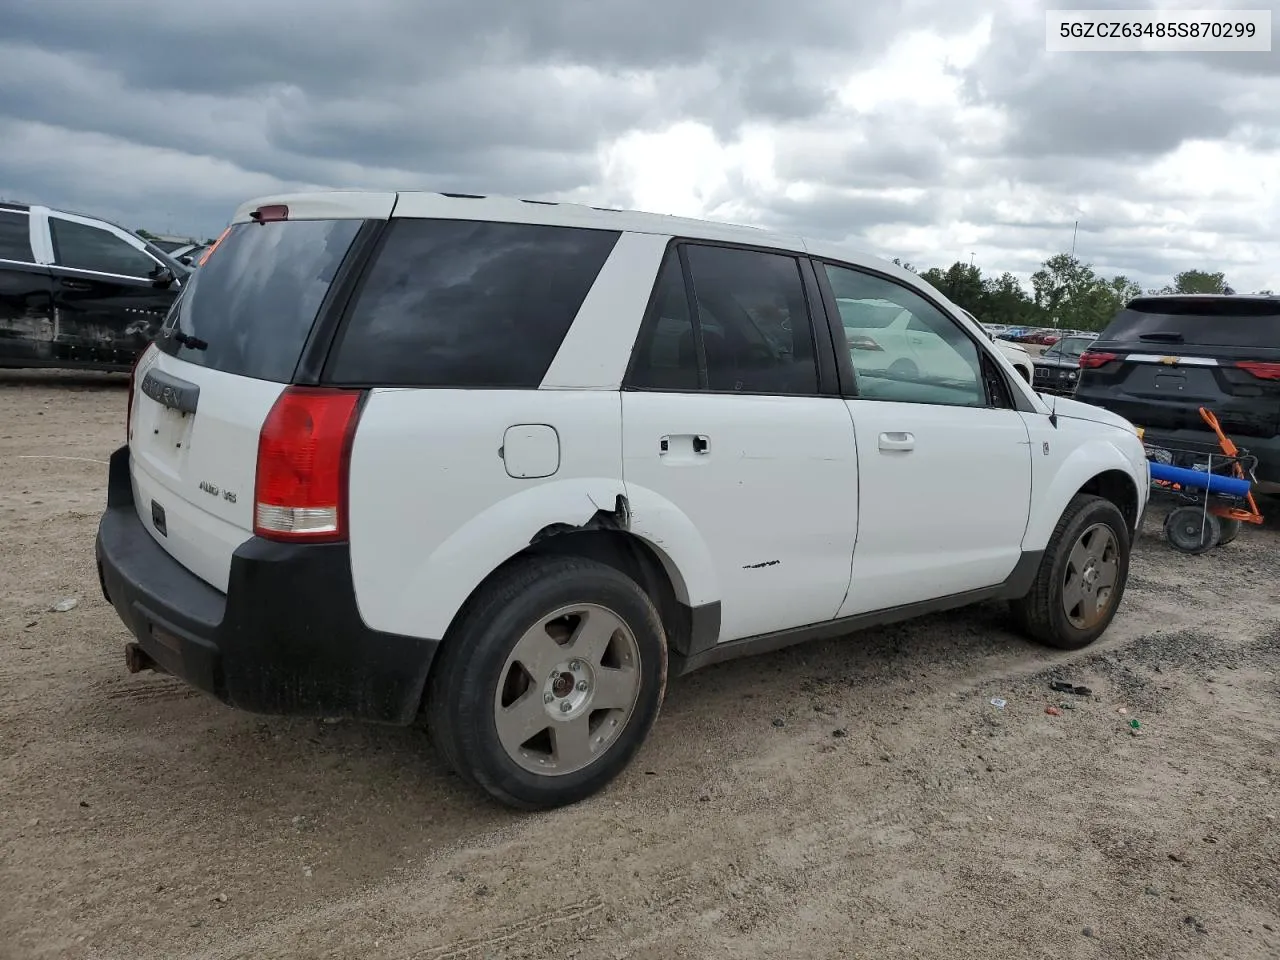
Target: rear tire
549, 682
1081, 579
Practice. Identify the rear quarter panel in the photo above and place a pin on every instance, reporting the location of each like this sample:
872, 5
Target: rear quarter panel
433, 509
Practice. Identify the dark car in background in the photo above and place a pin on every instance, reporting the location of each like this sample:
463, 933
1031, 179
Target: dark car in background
1058, 368
1164, 357
77, 291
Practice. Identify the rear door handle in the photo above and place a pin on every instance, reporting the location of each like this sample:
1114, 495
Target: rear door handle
897, 441
76, 284
700, 443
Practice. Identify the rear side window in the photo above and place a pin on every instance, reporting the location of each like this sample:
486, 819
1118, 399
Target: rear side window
754, 321
15, 237
666, 354
460, 303
1225, 322
251, 307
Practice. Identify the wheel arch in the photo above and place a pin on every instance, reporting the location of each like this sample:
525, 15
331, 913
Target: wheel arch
1118, 487
641, 534
608, 543
1096, 467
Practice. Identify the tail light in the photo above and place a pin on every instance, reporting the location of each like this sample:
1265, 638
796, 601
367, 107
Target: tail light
304, 458
863, 343
1092, 359
1263, 371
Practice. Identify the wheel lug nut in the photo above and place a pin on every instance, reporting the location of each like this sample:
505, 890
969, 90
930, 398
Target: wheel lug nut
575, 666
548, 697
565, 706
582, 685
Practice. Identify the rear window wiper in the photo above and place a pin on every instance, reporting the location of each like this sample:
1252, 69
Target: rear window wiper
1162, 337
187, 340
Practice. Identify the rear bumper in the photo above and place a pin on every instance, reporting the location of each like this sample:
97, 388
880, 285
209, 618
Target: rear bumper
287, 636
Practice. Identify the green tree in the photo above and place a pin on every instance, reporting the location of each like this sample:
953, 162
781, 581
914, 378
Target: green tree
1060, 286
1071, 295
1200, 281
1005, 300
961, 283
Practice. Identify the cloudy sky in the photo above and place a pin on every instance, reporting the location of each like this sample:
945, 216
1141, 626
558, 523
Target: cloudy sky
926, 129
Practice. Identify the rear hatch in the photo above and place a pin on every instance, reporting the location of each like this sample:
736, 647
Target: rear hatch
1162, 358
229, 347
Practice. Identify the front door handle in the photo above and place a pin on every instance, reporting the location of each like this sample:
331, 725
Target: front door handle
897, 441
76, 284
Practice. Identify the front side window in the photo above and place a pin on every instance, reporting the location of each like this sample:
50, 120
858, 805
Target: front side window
84, 247
903, 347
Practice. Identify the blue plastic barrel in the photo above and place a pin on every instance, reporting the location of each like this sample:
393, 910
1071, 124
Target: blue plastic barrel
1200, 480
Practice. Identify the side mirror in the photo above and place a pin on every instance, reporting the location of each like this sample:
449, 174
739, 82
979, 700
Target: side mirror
185, 259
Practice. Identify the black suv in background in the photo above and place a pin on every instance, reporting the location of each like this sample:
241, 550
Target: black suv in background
1164, 357
78, 291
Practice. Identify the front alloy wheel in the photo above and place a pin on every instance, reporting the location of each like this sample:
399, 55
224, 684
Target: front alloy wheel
1092, 568
1082, 576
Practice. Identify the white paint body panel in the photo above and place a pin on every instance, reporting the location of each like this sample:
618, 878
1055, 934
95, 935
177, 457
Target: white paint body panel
774, 497
1086, 442
769, 522
219, 446
433, 510
943, 517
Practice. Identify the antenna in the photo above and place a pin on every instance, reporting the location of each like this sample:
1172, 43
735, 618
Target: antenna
1053, 412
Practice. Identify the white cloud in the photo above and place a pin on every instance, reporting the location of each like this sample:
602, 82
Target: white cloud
926, 130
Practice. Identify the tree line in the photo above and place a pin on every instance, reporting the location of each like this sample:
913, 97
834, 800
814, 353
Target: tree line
1065, 292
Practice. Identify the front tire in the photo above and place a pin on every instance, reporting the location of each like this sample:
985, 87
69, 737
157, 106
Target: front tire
549, 682
1081, 579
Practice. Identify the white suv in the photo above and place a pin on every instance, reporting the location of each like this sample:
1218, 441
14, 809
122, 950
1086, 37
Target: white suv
512, 464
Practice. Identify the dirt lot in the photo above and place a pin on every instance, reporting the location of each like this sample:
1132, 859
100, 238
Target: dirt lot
860, 798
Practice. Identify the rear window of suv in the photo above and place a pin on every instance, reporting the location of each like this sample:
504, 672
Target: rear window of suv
462, 303
1224, 322
254, 301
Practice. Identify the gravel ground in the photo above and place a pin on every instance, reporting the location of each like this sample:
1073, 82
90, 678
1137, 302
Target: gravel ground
856, 798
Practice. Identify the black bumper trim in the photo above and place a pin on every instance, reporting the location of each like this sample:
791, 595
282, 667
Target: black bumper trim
286, 638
